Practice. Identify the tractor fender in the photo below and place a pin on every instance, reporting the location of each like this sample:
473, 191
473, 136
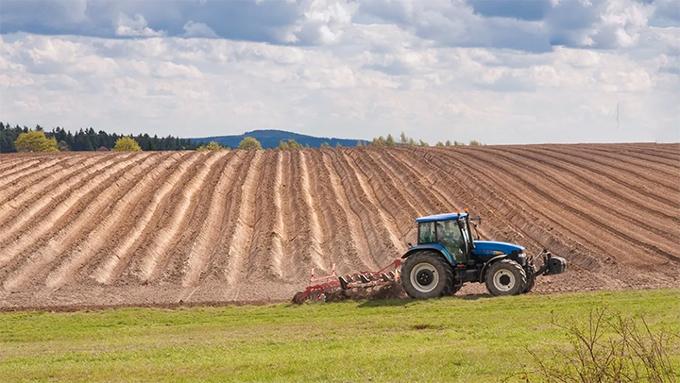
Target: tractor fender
431, 247
486, 265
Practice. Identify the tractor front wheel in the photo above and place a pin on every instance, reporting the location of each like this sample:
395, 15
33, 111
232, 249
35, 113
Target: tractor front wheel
505, 277
531, 279
426, 275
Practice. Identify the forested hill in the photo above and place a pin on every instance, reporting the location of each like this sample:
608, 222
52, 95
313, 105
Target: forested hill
88, 139
272, 138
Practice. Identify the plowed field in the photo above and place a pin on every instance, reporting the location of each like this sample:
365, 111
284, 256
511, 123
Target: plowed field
164, 227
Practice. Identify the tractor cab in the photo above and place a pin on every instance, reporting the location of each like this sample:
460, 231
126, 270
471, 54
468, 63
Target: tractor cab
450, 232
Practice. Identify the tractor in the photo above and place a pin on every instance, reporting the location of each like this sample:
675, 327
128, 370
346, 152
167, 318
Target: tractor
446, 256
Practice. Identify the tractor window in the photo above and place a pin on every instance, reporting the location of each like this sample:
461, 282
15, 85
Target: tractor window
450, 236
426, 232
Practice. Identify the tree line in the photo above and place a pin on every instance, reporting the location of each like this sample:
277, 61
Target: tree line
89, 139
410, 141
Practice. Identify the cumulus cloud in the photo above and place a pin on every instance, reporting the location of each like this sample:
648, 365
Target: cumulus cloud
134, 27
194, 29
536, 71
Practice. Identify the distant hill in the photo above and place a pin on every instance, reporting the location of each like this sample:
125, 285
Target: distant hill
271, 139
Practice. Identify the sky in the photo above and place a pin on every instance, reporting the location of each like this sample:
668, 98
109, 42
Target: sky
523, 71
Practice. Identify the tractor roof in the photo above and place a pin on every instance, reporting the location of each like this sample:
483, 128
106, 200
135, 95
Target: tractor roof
440, 217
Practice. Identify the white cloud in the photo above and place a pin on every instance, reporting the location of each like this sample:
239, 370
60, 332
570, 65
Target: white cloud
194, 29
134, 27
212, 86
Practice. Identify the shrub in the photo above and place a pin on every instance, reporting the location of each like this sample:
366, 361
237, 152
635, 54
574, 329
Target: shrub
448, 143
378, 141
403, 139
475, 143
290, 144
609, 349
211, 146
35, 141
126, 144
423, 143
250, 143
325, 145
389, 141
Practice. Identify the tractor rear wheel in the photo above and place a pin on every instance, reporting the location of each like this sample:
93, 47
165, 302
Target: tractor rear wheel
505, 277
426, 275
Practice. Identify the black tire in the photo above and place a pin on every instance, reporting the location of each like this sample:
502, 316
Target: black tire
531, 279
505, 277
432, 276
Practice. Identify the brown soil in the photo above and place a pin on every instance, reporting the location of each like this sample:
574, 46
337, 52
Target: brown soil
99, 229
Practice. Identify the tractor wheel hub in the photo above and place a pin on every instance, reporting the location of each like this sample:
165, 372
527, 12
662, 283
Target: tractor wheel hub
424, 277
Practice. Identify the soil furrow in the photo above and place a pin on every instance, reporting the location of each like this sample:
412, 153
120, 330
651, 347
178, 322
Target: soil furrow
14, 173
642, 169
379, 231
339, 247
356, 245
386, 217
61, 209
202, 249
263, 261
17, 208
21, 187
168, 234
316, 234
89, 246
654, 157
8, 164
390, 195
239, 245
35, 265
145, 226
217, 272
11, 182
577, 209
586, 197
589, 173
174, 266
657, 185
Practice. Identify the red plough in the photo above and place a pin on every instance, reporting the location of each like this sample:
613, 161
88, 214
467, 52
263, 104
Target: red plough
333, 287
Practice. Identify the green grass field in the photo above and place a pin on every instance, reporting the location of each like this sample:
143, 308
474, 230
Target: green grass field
450, 339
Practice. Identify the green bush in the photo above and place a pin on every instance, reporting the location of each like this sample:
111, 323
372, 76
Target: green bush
250, 143
126, 144
35, 141
212, 146
290, 144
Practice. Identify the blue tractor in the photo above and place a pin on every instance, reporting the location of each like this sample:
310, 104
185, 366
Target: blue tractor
447, 256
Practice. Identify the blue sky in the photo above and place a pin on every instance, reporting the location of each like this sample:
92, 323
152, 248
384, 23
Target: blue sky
522, 71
